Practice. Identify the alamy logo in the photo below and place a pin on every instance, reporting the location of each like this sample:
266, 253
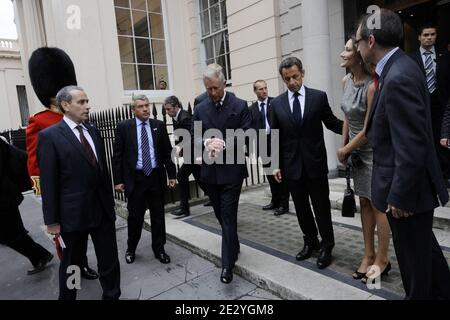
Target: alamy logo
374, 20
74, 278
73, 21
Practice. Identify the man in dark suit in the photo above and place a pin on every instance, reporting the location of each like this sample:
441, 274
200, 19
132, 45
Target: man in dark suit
77, 198
223, 178
261, 120
298, 114
406, 180
142, 155
183, 120
13, 181
435, 65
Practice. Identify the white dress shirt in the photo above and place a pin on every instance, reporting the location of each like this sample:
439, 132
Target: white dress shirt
301, 98
72, 125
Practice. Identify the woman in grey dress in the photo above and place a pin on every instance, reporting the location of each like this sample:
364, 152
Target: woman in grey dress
356, 102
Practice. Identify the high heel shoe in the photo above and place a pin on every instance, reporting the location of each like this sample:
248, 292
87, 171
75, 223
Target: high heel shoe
358, 275
385, 272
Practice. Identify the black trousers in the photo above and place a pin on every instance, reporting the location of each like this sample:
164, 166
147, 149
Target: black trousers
147, 193
225, 201
105, 245
183, 182
14, 235
280, 192
423, 267
318, 189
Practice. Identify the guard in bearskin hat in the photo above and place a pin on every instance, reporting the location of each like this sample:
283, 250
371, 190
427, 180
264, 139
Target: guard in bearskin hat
50, 70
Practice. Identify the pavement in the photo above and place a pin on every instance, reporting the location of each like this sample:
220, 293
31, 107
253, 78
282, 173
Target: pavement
266, 269
269, 245
187, 277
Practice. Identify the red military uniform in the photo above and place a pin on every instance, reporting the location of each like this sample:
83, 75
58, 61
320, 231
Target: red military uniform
38, 122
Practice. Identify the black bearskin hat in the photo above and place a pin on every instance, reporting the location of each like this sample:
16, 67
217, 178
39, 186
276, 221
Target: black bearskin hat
50, 69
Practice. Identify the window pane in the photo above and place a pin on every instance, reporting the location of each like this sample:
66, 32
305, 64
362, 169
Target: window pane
203, 4
143, 50
227, 42
156, 26
208, 62
219, 44
159, 52
123, 22
122, 3
204, 17
223, 8
154, 5
161, 74
126, 49
209, 51
221, 62
129, 77
212, 2
138, 4
215, 18
140, 24
146, 77
228, 74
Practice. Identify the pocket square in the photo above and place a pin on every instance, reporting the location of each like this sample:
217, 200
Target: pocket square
155, 129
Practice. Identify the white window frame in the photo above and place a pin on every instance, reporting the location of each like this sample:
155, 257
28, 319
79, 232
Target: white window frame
152, 93
211, 35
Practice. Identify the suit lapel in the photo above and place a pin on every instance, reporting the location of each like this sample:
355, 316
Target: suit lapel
308, 105
287, 109
70, 136
212, 114
133, 134
418, 57
97, 143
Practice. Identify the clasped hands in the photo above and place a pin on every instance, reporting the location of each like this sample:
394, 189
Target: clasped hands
214, 146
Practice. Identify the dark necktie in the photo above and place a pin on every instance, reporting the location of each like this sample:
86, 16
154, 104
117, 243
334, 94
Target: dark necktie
218, 106
429, 71
296, 108
263, 115
86, 146
145, 147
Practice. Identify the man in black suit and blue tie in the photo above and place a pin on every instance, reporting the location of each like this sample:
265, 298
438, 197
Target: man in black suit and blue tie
223, 179
141, 163
407, 182
298, 114
77, 197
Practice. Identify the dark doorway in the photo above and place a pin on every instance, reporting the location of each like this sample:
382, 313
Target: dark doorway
414, 13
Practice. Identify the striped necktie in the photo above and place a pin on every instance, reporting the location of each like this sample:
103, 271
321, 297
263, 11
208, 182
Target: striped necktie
429, 71
145, 147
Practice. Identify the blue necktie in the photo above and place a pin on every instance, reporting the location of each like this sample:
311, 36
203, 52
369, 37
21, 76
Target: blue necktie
429, 71
145, 147
263, 115
296, 108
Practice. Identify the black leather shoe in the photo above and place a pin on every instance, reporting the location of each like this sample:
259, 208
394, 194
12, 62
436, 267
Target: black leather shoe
88, 273
129, 257
270, 206
40, 266
226, 276
208, 204
180, 213
308, 249
324, 259
281, 210
163, 257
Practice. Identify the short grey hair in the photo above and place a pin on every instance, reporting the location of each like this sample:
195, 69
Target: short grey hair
64, 95
138, 96
213, 73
